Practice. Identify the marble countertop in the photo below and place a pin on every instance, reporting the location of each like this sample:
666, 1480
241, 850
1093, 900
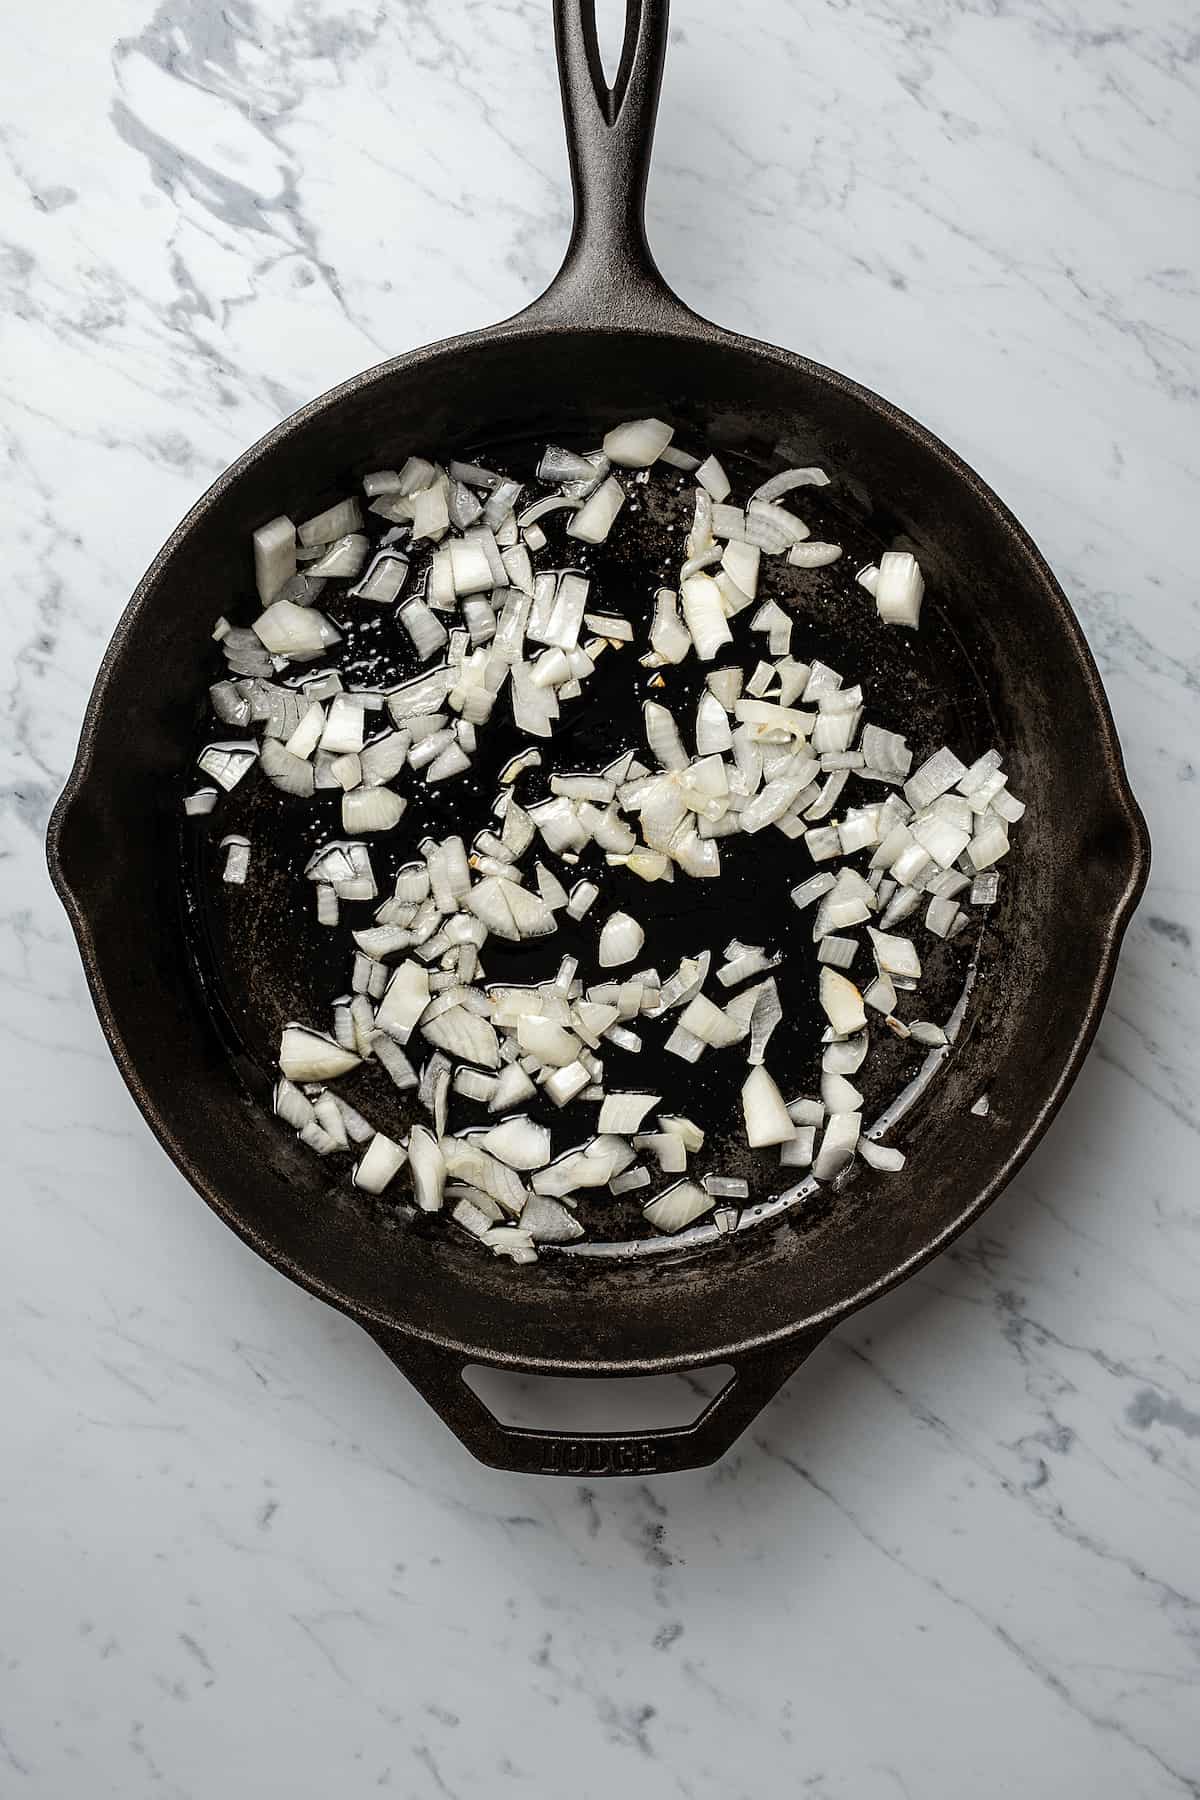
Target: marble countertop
960, 1553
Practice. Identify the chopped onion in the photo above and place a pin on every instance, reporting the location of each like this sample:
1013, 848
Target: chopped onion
428, 1167
306, 1055
704, 614
766, 1116
519, 1143
297, 632
594, 520
838, 1145
899, 589
669, 636
880, 1156
237, 860
988, 845
372, 809
291, 774
548, 1222
621, 939
201, 802
274, 556
380, 1162
623, 1113
565, 1083
813, 554
677, 1206
936, 775
638, 443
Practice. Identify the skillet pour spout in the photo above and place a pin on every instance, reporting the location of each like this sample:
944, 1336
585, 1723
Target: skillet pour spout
608, 340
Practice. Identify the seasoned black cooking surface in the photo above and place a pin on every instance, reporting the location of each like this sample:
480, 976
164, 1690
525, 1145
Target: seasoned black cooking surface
263, 959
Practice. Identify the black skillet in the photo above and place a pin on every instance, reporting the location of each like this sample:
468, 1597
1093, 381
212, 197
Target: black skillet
608, 340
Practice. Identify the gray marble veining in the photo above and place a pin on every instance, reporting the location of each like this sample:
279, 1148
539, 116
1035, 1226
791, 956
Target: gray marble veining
961, 1552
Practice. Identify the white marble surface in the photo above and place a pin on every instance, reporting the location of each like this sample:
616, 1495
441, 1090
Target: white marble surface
960, 1554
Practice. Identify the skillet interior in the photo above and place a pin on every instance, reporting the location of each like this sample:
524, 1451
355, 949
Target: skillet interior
1045, 967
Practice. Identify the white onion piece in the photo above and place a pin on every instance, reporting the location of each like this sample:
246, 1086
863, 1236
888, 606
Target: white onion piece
297, 632
452, 761
988, 845
594, 520
583, 896
307, 734
512, 1087
787, 480
548, 1221
379, 1164
837, 1145
621, 939
709, 1022
767, 1014
372, 809
623, 1113
342, 733
680, 459
838, 1094
899, 589
881, 1156
565, 1083
201, 802
806, 1112
667, 1148
704, 614
423, 626
662, 735
292, 1106
237, 860
741, 562
668, 635
813, 554
393, 1059
405, 1000
773, 527
462, 1033
838, 952
726, 1187
335, 522
797, 1153
511, 1241
712, 477
936, 775
713, 732
553, 1045
291, 774
766, 1116
677, 1206
306, 1055
274, 556
519, 1143
638, 443
813, 889
428, 1167
895, 955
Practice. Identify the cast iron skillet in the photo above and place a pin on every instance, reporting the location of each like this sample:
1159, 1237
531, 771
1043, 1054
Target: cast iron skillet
608, 340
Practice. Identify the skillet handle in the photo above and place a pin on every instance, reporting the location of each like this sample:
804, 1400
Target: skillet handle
609, 278
437, 1374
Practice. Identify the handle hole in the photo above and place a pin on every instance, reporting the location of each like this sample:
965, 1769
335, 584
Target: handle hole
610, 37
619, 1403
